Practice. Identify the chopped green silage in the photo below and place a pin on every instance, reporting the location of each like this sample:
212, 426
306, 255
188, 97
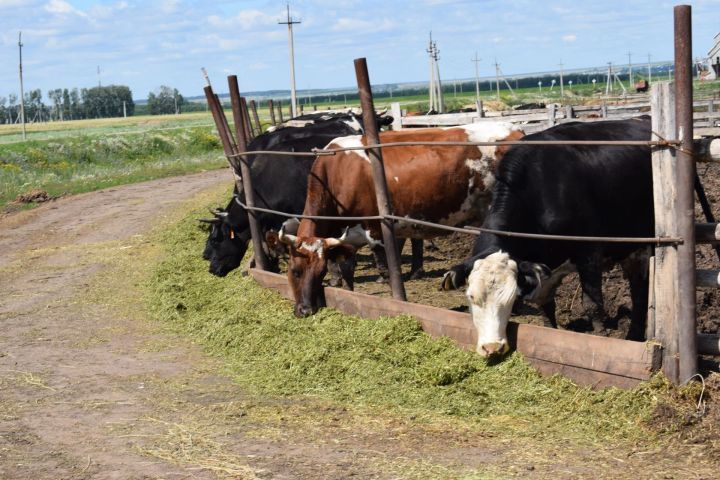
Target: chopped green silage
387, 363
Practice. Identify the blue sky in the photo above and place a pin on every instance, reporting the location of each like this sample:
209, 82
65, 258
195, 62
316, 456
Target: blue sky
145, 44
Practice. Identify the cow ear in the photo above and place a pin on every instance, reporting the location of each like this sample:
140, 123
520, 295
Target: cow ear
530, 277
271, 237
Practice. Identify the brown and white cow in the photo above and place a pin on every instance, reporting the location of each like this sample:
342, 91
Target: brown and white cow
449, 185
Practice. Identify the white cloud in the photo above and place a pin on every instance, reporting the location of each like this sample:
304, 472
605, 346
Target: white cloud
58, 6
362, 26
569, 38
245, 19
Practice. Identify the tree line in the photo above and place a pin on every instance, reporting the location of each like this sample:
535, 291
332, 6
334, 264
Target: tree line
96, 102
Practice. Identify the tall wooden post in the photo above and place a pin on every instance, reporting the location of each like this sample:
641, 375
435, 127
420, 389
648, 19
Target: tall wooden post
279, 108
271, 107
378, 169
687, 329
241, 132
226, 138
664, 171
258, 125
245, 115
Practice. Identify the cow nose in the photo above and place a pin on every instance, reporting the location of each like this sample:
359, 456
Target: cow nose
302, 310
493, 349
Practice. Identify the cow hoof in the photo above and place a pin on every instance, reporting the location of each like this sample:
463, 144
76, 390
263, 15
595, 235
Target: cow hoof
417, 274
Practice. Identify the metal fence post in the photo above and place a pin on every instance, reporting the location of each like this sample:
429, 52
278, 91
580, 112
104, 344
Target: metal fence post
378, 169
687, 330
240, 127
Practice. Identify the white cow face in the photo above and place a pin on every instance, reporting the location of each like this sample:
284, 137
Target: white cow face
492, 290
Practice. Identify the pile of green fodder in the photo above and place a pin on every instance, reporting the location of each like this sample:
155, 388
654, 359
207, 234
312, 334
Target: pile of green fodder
387, 363
83, 163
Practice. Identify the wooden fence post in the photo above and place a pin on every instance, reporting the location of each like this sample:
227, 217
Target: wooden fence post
253, 108
279, 109
664, 168
396, 113
687, 328
245, 115
381, 191
261, 259
271, 107
551, 109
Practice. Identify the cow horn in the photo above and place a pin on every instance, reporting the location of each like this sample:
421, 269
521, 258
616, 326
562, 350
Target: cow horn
287, 239
209, 220
385, 110
336, 242
219, 213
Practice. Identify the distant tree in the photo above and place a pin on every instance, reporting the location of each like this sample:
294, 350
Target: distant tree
76, 110
56, 98
165, 100
66, 105
102, 102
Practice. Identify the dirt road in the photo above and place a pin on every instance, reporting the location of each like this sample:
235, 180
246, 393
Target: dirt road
90, 389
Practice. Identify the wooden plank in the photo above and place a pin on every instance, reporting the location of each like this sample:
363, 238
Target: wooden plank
582, 376
664, 168
613, 357
397, 116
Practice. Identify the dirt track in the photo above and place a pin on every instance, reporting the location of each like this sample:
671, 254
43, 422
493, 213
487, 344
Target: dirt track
90, 389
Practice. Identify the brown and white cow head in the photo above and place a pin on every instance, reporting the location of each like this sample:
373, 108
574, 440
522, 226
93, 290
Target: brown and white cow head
308, 265
494, 284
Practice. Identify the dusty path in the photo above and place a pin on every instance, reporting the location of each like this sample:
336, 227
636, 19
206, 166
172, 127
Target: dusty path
90, 389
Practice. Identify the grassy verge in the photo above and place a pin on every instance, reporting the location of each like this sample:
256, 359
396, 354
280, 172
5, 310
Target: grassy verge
388, 363
85, 162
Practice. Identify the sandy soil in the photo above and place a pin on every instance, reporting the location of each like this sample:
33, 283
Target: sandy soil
89, 389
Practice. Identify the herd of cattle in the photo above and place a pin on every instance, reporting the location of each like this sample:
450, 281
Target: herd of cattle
555, 189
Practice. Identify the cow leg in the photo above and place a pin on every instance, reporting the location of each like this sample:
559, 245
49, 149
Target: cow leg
336, 277
416, 269
635, 269
381, 261
591, 281
548, 309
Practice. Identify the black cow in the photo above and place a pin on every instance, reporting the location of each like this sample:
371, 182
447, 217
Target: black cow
280, 183
562, 190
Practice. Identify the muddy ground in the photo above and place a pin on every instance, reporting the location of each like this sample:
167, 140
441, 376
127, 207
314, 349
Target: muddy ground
90, 389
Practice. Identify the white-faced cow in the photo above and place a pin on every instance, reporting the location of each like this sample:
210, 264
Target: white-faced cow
443, 184
603, 191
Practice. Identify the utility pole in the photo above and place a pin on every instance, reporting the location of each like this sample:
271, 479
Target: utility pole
431, 88
609, 83
497, 79
22, 92
124, 109
290, 22
562, 91
630, 68
438, 84
477, 78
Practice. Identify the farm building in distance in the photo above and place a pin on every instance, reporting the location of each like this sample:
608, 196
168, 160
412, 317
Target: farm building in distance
713, 60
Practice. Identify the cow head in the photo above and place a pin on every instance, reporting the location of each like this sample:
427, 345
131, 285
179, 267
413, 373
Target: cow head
226, 244
493, 285
309, 257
